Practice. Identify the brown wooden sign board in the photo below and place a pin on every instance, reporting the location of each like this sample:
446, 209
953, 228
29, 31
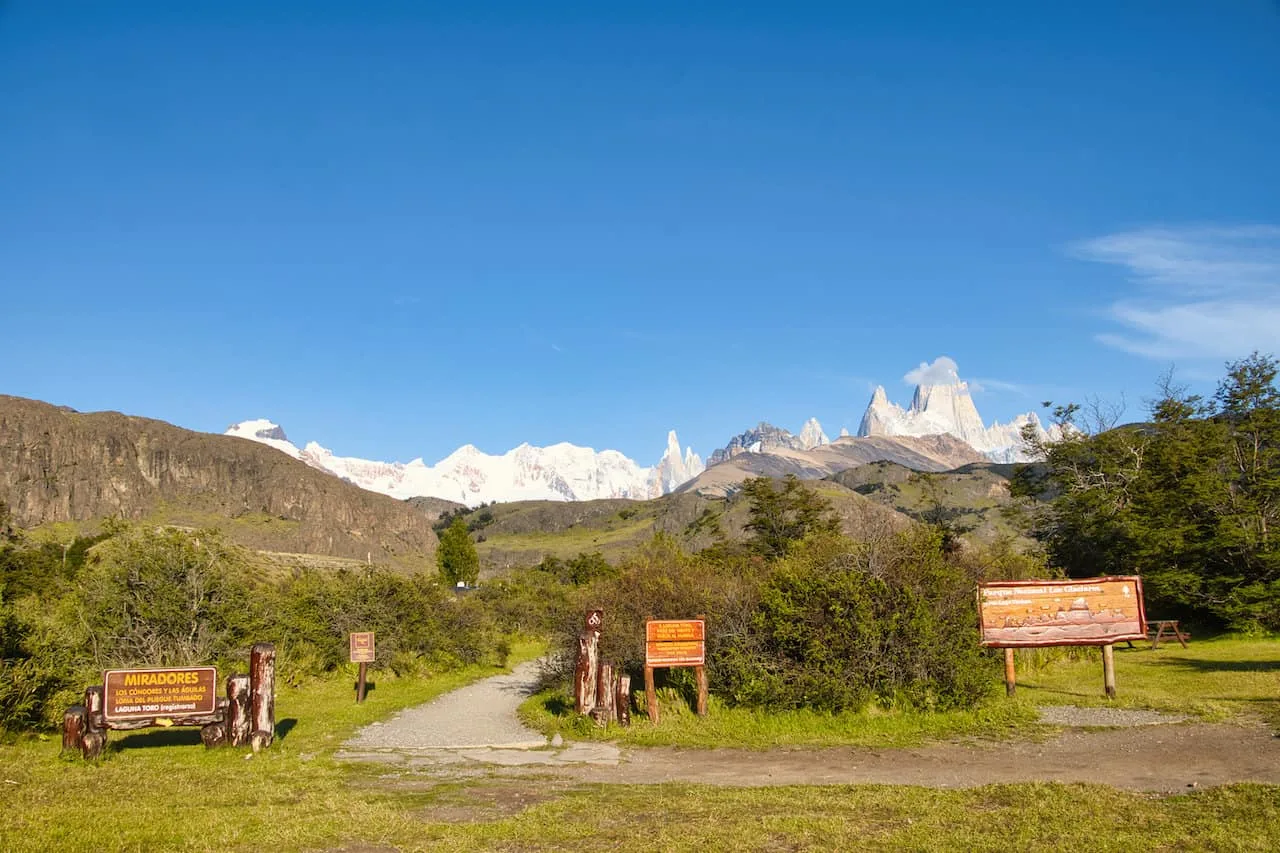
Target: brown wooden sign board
1089, 612
139, 694
675, 642
362, 647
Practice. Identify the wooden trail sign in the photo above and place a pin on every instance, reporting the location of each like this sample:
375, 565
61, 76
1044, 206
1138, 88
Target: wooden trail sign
362, 652
672, 643
362, 647
130, 699
147, 694
1086, 612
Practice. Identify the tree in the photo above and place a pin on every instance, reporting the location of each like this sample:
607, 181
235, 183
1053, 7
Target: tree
1189, 500
780, 517
456, 557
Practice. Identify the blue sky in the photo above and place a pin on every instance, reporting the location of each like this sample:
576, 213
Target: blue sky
398, 227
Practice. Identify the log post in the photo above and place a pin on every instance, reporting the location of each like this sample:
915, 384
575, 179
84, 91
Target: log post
213, 735
586, 673
360, 681
262, 693
237, 721
94, 739
650, 695
622, 700
604, 713
93, 698
700, 672
1010, 674
1109, 670
73, 728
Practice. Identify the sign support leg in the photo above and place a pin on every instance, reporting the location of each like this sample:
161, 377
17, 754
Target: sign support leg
651, 695
701, 673
1109, 670
1010, 674
364, 669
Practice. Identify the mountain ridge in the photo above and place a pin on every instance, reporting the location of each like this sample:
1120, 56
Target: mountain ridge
468, 475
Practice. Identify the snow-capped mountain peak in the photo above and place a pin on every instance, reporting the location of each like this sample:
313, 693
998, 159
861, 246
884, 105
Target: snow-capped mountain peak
946, 407
469, 475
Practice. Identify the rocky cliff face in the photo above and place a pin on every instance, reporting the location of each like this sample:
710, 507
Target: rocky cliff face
766, 438
61, 465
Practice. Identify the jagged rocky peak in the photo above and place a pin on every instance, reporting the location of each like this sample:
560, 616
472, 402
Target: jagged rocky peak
811, 435
942, 405
766, 437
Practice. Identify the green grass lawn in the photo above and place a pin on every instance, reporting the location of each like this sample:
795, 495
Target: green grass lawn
1219, 679
161, 790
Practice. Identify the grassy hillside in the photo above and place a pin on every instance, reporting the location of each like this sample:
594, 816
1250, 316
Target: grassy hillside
974, 499
522, 533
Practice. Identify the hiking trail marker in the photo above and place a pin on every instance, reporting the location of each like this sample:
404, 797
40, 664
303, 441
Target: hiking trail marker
362, 652
671, 643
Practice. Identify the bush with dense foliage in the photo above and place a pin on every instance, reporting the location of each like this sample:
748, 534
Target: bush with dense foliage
140, 596
800, 616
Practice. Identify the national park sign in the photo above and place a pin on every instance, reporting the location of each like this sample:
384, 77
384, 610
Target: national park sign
1094, 612
139, 694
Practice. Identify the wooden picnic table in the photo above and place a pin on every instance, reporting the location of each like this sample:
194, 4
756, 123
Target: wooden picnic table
1166, 628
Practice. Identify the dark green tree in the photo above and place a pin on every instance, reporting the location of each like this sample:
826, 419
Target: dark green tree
456, 557
1189, 500
782, 516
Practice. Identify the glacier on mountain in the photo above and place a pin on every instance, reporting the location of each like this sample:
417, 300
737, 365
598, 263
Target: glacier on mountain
561, 472
942, 405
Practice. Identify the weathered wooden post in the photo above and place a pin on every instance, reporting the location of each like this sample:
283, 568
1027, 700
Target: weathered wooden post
215, 734
622, 700
586, 673
73, 728
95, 736
650, 695
700, 672
237, 720
1109, 669
1010, 674
604, 712
262, 692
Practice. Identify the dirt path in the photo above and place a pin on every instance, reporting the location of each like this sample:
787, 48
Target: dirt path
474, 732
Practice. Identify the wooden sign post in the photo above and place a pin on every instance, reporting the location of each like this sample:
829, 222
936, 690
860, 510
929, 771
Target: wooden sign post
362, 652
1088, 612
671, 643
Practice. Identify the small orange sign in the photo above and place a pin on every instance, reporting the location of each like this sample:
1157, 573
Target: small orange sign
675, 642
362, 647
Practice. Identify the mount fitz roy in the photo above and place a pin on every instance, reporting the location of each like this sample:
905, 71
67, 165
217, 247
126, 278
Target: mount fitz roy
946, 408
561, 472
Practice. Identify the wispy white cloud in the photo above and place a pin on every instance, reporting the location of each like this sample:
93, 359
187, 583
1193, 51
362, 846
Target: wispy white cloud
1202, 292
987, 384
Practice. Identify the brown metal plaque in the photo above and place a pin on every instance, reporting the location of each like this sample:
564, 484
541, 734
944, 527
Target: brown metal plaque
140, 694
362, 647
675, 642
1090, 612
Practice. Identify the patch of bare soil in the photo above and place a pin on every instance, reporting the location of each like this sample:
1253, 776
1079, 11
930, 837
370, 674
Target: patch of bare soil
1156, 758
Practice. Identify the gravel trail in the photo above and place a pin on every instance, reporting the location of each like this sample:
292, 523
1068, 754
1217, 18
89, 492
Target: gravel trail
478, 715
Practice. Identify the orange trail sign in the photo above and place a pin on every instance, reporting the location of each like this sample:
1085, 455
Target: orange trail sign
675, 642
